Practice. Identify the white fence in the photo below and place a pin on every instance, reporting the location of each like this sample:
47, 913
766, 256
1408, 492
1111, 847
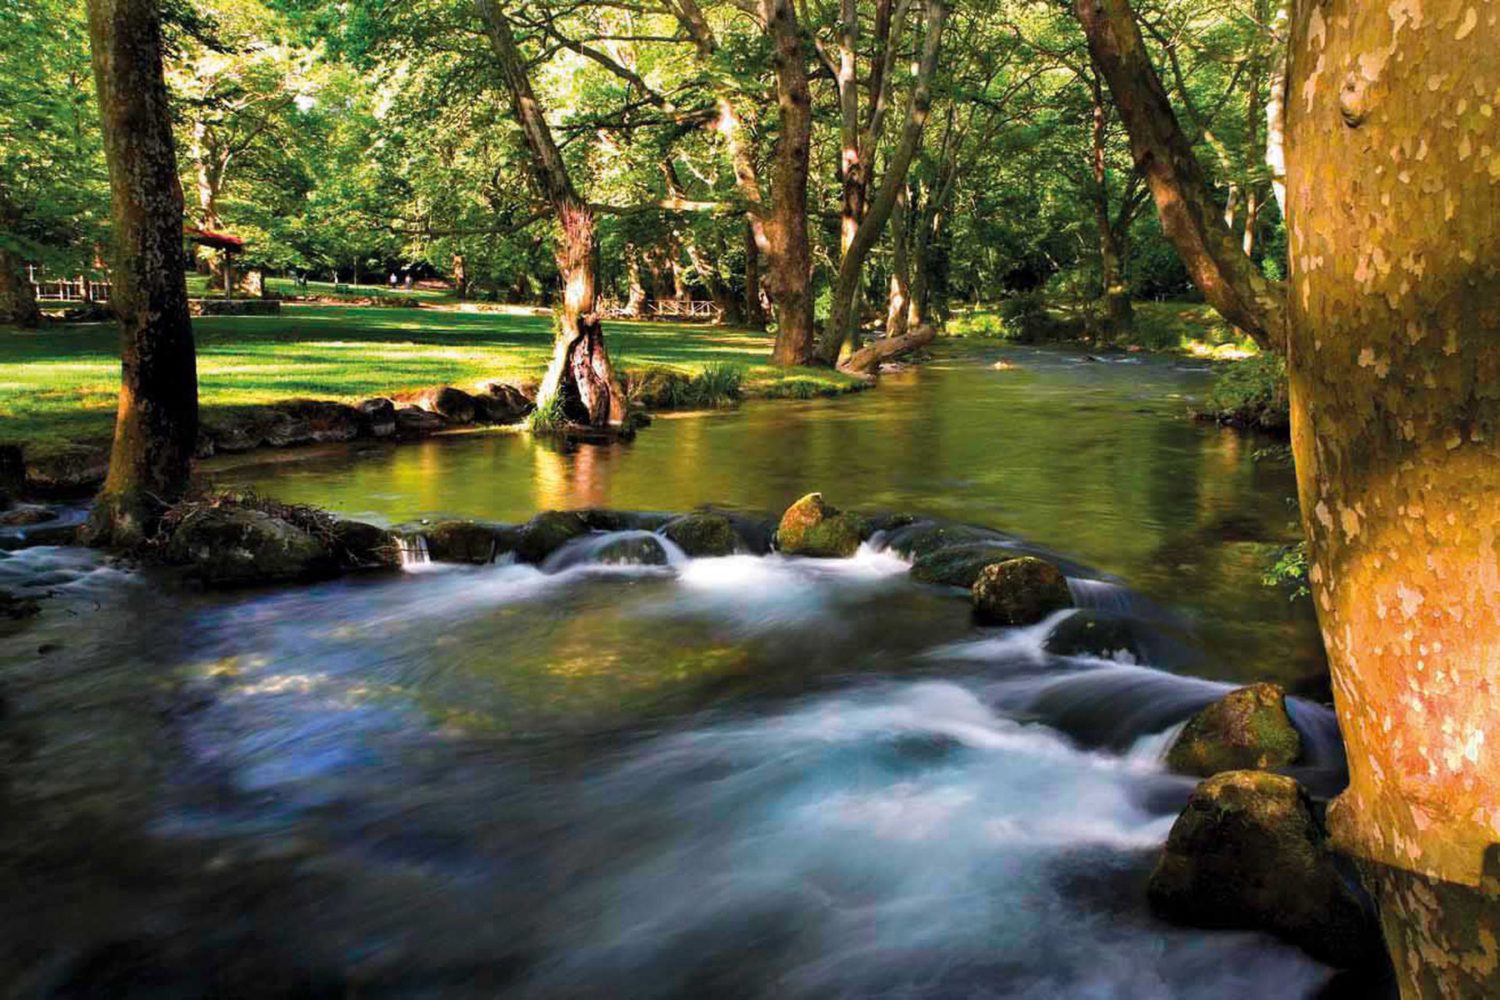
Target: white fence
682, 309
78, 289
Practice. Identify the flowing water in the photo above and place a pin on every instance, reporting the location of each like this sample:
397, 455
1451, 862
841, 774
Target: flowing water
742, 777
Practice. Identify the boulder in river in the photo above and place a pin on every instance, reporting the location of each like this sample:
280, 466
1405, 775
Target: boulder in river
1247, 729
502, 404
1087, 632
377, 417
1248, 853
1019, 591
238, 546
958, 565
926, 537
453, 405
413, 421
547, 532
703, 535
811, 527
468, 541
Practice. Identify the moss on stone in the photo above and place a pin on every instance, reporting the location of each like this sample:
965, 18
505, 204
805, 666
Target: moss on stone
548, 532
703, 535
1019, 591
811, 527
1247, 729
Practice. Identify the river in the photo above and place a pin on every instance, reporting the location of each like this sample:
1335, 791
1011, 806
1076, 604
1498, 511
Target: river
725, 777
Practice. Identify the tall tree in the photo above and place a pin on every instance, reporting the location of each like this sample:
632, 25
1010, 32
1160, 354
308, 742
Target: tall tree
1392, 337
580, 378
156, 427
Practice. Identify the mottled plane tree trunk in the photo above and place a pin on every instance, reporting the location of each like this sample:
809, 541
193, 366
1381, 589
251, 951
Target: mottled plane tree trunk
580, 382
1393, 200
1392, 336
156, 427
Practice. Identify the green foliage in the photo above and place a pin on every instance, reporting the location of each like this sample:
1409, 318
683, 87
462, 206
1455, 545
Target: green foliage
977, 323
1251, 393
1289, 571
548, 415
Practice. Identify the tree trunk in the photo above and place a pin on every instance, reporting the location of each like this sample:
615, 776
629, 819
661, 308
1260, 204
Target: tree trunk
156, 426
868, 358
580, 384
787, 250
843, 319
755, 313
898, 299
635, 305
460, 277
1394, 360
1119, 314
17, 297
1189, 215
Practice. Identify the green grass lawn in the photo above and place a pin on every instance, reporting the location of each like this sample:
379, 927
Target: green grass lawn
59, 385
197, 285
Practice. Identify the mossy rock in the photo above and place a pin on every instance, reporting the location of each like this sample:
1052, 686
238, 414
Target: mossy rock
548, 532
632, 550
236, 547
601, 519
913, 541
468, 541
1019, 592
1094, 633
958, 565
360, 546
1248, 853
811, 527
701, 535
1247, 729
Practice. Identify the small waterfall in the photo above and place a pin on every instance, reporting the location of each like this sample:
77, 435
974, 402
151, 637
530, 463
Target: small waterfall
635, 549
413, 552
1101, 595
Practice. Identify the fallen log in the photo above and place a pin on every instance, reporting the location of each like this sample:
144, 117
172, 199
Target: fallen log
868, 358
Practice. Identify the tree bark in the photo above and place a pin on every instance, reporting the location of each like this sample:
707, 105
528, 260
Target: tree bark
17, 297
843, 317
580, 384
1394, 359
787, 249
1190, 217
898, 298
868, 358
156, 426
755, 313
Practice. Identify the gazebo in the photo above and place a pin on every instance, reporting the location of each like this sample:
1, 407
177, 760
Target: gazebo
228, 244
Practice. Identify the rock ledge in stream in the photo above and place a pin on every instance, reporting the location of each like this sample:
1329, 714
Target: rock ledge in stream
703, 535
468, 541
1019, 591
1247, 729
1094, 633
958, 565
811, 527
1247, 853
238, 546
548, 532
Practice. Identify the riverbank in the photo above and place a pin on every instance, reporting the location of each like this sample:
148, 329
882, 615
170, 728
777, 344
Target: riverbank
59, 385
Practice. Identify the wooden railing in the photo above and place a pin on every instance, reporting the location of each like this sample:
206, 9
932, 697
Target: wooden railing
678, 309
79, 289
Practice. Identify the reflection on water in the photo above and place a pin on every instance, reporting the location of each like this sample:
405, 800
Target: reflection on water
1092, 459
747, 776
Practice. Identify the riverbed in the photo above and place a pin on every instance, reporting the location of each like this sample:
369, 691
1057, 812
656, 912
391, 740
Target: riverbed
746, 776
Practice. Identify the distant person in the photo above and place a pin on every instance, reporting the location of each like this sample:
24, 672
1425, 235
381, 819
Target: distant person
408, 281
393, 279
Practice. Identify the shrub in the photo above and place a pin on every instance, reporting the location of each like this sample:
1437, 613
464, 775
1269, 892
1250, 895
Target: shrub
1251, 393
1289, 571
977, 324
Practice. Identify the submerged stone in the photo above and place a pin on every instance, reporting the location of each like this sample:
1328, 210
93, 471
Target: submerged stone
958, 565
547, 532
468, 541
1247, 729
501, 404
1019, 591
1247, 853
811, 527
924, 538
235, 546
702, 535
632, 550
1093, 633
16, 608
